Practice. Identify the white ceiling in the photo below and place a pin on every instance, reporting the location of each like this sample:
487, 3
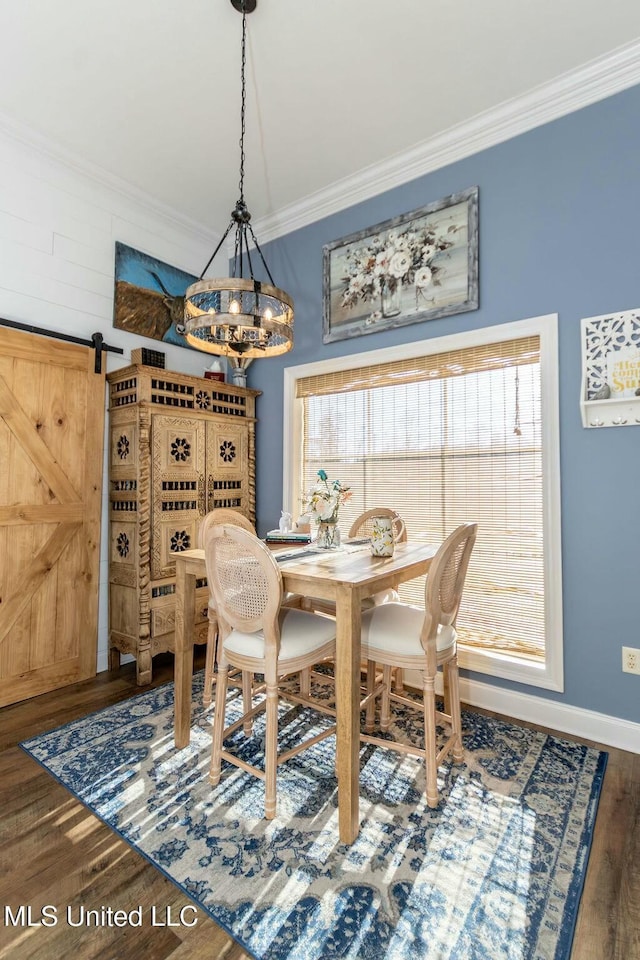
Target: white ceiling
149, 90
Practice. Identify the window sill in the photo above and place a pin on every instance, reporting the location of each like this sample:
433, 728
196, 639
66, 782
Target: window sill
519, 669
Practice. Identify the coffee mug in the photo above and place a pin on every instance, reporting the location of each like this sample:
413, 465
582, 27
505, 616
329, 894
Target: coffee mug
382, 539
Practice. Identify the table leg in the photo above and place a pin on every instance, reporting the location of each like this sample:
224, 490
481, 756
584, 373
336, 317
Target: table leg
348, 717
183, 667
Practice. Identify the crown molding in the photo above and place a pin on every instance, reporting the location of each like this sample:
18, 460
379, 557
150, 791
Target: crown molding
17, 132
596, 80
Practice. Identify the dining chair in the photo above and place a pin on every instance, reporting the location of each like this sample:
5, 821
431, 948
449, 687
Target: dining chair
400, 635
362, 526
259, 635
218, 515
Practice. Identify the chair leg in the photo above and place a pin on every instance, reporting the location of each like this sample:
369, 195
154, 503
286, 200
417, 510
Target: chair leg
385, 709
451, 672
305, 682
271, 751
247, 701
399, 684
446, 692
218, 721
370, 715
210, 660
429, 696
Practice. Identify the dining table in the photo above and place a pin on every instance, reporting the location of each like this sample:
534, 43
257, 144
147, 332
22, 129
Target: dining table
346, 576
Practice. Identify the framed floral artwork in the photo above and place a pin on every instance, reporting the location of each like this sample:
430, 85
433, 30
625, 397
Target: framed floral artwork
417, 266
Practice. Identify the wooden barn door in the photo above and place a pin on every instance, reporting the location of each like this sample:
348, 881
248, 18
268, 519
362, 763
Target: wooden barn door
51, 440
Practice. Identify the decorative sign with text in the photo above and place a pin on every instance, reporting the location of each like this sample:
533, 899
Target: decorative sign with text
624, 371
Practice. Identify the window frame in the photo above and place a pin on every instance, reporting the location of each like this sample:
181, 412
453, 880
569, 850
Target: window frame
548, 674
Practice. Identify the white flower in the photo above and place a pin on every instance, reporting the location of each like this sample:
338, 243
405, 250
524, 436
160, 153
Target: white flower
399, 264
423, 277
327, 508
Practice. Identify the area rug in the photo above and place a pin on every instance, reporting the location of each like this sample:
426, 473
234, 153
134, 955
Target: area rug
495, 872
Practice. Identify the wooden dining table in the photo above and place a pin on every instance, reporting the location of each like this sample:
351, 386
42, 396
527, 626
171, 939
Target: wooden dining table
345, 576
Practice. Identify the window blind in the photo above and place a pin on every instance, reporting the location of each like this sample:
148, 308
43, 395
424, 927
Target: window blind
444, 439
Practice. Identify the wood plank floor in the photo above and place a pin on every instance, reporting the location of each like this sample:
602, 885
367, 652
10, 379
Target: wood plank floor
53, 851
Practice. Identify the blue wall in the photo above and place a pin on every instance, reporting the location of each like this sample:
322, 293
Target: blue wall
559, 233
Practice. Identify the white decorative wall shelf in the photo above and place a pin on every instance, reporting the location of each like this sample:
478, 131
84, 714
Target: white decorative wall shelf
611, 370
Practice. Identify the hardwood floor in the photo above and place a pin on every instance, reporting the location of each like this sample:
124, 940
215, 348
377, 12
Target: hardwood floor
53, 851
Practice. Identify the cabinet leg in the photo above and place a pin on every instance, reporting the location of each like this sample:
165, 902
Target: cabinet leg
143, 668
114, 658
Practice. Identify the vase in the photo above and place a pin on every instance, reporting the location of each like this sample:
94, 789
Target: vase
390, 296
328, 535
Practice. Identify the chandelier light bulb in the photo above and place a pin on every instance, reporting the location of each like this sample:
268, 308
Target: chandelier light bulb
234, 307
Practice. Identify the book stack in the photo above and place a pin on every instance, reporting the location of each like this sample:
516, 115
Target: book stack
277, 536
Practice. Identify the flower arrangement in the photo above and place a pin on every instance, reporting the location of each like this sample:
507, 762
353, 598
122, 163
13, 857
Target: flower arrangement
324, 499
393, 258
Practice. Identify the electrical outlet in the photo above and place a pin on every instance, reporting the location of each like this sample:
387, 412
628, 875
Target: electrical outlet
630, 660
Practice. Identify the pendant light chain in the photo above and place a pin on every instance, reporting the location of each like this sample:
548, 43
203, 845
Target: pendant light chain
244, 100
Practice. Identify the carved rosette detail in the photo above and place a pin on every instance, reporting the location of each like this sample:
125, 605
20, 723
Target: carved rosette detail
122, 545
123, 446
202, 400
180, 449
227, 451
180, 541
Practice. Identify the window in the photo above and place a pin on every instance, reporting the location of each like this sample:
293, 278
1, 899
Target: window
446, 431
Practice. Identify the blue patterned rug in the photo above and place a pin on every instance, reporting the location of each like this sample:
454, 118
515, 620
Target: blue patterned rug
496, 872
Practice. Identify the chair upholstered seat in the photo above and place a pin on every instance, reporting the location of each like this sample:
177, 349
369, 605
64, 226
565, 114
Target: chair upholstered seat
300, 634
396, 627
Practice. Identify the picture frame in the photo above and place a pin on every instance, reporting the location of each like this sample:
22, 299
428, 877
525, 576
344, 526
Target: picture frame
414, 267
149, 296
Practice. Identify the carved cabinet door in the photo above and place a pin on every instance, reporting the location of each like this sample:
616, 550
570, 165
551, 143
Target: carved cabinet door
51, 437
227, 466
178, 446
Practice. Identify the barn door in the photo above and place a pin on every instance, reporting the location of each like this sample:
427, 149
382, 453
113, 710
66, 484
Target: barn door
51, 437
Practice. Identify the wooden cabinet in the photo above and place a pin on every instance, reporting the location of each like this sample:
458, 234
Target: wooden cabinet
179, 446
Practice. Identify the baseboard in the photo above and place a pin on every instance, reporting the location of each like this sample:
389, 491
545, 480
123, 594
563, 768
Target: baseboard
585, 724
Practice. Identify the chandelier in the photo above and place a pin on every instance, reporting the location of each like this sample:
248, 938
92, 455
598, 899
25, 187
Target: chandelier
238, 316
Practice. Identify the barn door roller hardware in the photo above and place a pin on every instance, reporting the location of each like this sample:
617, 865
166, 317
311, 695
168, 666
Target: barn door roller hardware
97, 340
